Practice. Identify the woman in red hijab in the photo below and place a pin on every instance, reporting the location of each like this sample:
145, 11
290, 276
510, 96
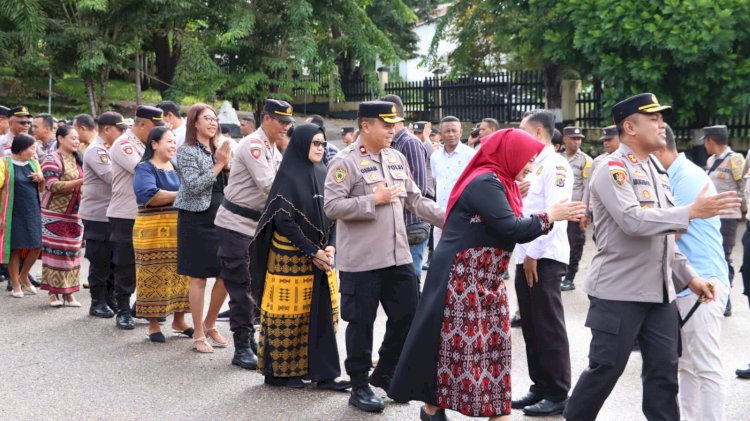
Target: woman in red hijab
457, 355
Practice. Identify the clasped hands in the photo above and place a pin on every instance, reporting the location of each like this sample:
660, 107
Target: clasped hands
324, 259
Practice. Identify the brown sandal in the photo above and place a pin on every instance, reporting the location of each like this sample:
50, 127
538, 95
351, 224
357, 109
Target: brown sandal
216, 339
202, 340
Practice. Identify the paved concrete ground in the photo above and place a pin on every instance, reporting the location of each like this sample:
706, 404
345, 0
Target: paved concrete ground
62, 364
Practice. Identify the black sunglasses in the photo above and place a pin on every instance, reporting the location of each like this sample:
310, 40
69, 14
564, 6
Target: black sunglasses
25, 123
318, 143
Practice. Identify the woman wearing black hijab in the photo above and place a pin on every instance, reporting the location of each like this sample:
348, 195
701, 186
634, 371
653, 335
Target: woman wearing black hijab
293, 279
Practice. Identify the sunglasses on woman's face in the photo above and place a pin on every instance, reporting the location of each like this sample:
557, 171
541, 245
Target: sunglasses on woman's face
318, 143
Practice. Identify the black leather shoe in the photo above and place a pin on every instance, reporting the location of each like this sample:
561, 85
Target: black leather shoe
381, 379
567, 285
515, 321
545, 407
743, 373
290, 382
333, 384
528, 399
363, 398
125, 320
245, 358
728, 308
438, 416
157, 337
34, 281
101, 310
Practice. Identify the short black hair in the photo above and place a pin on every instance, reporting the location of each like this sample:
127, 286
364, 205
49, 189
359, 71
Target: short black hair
46, 119
396, 100
85, 120
248, 118
169, 107
316, 120
545, 118
450, 119
21, 142
557, 137
671, 141
225, 129
494, 124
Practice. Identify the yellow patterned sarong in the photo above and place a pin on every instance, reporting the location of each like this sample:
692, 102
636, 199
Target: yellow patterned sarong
160, 291
285, 310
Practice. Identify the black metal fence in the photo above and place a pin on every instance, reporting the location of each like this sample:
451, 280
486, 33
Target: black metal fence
504, 96
591, 113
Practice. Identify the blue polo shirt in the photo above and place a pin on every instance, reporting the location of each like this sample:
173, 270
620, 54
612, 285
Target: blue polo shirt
702, 243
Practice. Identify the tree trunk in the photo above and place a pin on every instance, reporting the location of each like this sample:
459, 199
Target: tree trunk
103, 81
91, 94
553, 86
167, 56
138, 97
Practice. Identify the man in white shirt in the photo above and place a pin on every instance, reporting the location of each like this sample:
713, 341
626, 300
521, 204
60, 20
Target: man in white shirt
539, 266
173, 119
448, 163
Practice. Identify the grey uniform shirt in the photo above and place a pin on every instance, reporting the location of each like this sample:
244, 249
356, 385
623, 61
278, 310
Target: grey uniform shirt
580, 163
97, 182
728, 176
596, 163
370, 237
635, 221
430, 190
125, 154
254, 167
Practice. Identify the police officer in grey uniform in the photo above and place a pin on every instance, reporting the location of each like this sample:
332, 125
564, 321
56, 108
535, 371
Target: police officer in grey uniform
367, 189
580, 162
637, 268
254, 166
726, 170
97, 183
125, 154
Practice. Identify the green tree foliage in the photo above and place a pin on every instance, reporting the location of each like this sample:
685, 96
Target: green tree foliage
694, 54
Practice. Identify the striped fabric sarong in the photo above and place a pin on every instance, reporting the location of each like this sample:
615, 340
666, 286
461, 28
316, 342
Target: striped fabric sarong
160, 291
61, 252
285, 310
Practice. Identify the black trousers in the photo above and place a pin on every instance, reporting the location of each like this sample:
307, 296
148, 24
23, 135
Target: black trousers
576, 239
234, 259
396, 288
615, 325
728, 240
123, 257
543, 328
745, 269
99, 254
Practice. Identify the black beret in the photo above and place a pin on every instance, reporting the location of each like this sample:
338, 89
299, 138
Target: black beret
642, 104
434, 131
345, 130
4, 111
111, 118
573, 132
383, 110
156, 115
280, 110
19, 111
609, 132
716, 132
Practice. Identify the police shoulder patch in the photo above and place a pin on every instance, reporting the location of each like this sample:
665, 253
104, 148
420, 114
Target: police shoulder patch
340, 174
256, 148
619, 176
560, 180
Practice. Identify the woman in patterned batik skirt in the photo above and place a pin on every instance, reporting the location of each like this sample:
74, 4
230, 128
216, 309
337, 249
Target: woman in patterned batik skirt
292, 275
457, 355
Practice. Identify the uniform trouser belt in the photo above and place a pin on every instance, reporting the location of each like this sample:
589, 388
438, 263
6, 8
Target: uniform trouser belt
241, 210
